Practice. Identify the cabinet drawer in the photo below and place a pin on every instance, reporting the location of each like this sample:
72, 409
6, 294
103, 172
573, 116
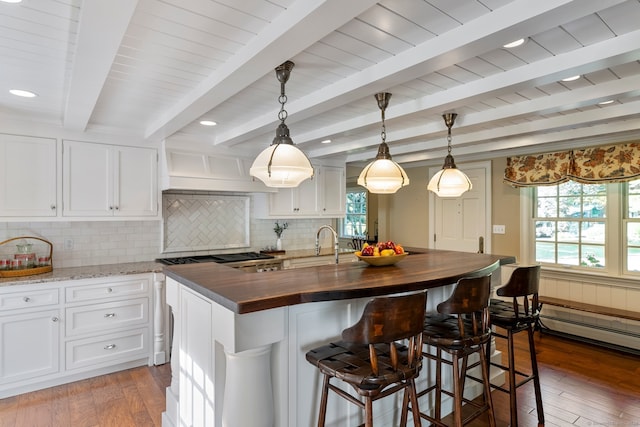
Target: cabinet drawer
106, 290
28, 299
107, 316
107, 349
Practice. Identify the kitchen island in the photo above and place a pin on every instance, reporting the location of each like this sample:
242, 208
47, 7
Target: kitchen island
240, 339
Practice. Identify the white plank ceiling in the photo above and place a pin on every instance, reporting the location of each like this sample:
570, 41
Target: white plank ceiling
154, 68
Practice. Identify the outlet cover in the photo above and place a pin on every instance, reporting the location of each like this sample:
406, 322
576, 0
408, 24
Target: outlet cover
68, 243
499, 229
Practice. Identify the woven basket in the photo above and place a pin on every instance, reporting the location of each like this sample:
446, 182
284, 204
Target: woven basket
29, 271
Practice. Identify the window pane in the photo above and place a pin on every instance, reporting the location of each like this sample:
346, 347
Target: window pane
551, 190
633, 259
593, 189
568, 231
570, 207
633, 234
545, 230
634, 206
568, 254
547, 207
570, 189
594, 207
545, 252
593, 256
593, 232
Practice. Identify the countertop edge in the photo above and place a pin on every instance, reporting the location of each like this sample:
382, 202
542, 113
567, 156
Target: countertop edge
243, 292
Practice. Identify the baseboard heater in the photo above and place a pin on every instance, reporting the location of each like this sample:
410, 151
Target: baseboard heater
590, 333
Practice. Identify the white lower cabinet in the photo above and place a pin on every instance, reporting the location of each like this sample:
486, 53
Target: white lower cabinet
29, 346
58, 332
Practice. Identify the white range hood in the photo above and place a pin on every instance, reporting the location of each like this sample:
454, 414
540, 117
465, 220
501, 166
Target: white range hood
206, 169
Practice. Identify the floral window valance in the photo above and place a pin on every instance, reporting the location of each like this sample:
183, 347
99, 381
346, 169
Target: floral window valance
614, 163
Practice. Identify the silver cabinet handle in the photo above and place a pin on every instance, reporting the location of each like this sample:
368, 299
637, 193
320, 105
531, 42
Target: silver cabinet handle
109, 347
26, 299
110, 315
117, 207
54, 319
109, 290
53, 207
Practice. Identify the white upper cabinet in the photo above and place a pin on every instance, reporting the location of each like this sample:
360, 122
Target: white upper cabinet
108, 180
333, 197
301, 200
27, 176
321, 196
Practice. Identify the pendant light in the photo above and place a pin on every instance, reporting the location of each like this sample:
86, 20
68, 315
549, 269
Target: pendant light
449, 181
282, 164
383, 175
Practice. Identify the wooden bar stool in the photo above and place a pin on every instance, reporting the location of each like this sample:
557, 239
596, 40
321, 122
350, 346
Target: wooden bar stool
460, 328
371, 359
521, 313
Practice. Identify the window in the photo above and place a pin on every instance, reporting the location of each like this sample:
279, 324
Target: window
632, 226
354, 223
588, 226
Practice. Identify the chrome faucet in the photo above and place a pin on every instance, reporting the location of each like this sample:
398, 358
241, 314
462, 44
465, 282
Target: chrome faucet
335, 240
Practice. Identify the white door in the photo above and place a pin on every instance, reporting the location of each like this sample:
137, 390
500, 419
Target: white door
463, 223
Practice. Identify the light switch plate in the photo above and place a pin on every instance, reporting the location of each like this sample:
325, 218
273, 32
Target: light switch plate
499, 229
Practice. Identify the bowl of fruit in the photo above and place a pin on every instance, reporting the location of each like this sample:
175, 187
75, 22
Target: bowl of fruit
382, 253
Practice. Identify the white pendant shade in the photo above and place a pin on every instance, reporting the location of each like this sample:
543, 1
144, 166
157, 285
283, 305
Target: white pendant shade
281, 166
383, 176
449, 182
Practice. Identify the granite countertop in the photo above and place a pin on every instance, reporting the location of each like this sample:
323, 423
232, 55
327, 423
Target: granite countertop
88, 272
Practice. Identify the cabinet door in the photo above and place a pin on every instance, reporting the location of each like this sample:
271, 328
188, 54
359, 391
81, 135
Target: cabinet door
281, 203
333, 191
87, 179
136, 186
29, 345
305, 198
28, 176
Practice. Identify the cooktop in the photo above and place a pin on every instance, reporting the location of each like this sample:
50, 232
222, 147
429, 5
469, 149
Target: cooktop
219, 258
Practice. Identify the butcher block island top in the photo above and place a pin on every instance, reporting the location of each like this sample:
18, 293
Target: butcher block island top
243, 292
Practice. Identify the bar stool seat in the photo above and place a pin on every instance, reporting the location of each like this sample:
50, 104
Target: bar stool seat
374, 358
460, 328
519, 313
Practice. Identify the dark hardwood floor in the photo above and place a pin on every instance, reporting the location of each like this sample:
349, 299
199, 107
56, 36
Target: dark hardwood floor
582, 385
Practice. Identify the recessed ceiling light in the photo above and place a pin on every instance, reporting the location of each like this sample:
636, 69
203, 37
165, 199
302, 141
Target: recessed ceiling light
22, 93
11, 1
207, 123
513, 44
326, 141
572, 78
610, 101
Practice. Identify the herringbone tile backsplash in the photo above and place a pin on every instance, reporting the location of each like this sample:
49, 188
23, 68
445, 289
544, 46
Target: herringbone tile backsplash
195, 222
